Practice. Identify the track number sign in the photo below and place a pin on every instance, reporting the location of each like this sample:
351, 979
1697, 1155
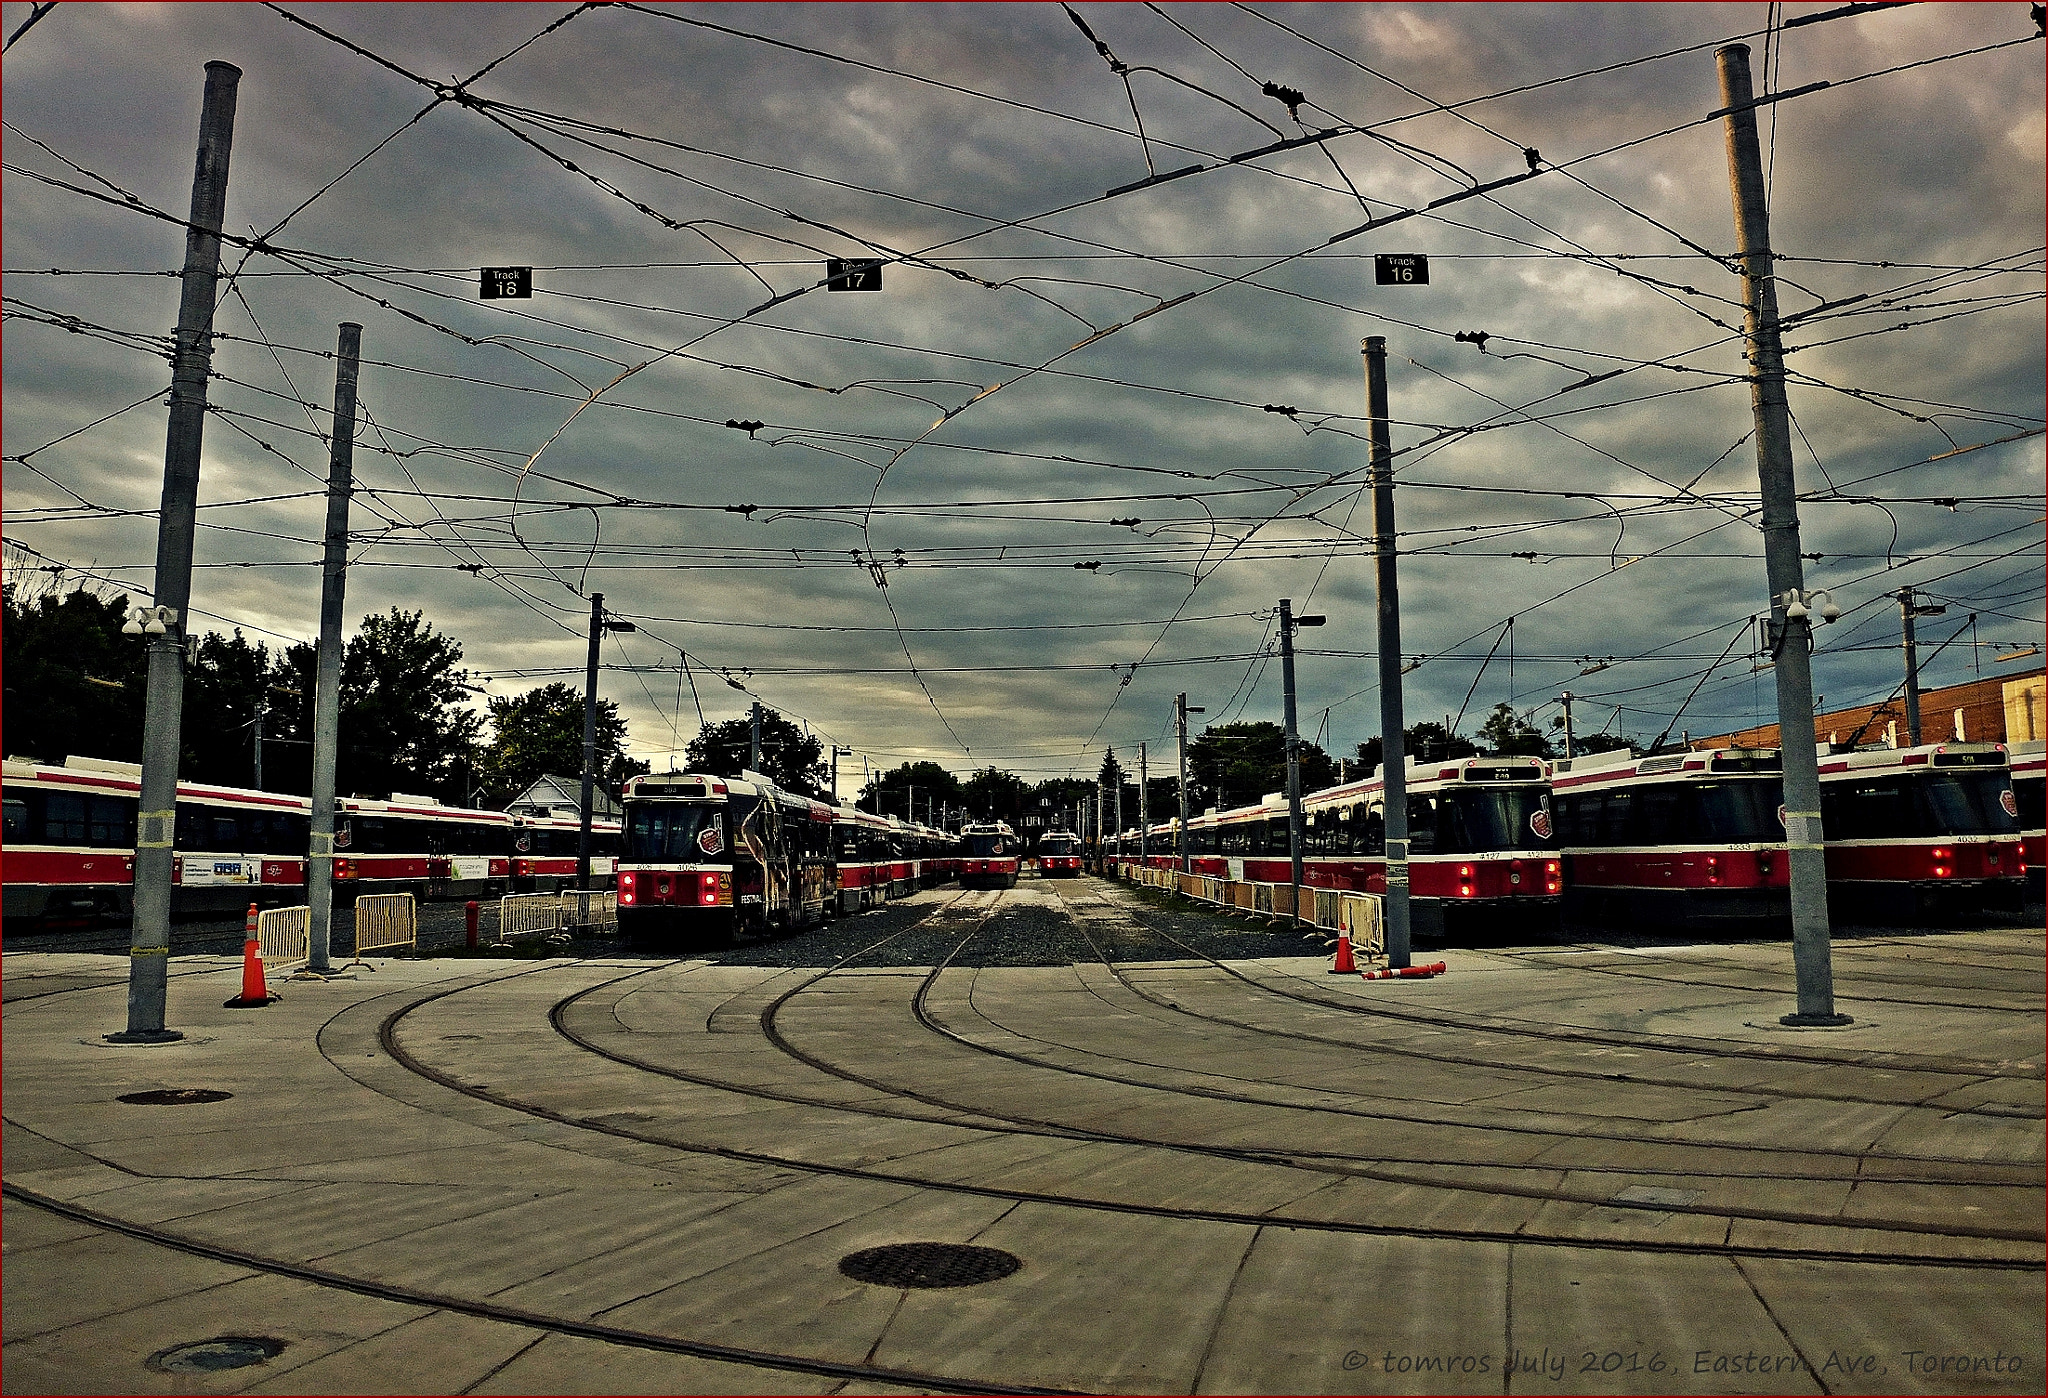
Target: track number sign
853, 274
1400, 269
501, 283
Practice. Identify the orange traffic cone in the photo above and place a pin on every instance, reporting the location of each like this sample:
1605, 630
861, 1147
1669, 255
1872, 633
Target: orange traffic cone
255, 993
1345, 965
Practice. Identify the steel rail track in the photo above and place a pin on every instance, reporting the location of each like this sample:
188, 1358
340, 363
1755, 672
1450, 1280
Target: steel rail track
1480, 1061
513, 1315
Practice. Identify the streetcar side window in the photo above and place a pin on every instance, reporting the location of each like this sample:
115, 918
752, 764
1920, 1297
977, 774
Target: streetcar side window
64, 818
2032, 795
1421, 825
111, 822
14, 821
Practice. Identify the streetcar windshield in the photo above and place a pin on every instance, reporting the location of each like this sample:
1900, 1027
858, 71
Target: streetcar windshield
676, 833
1737, 813
1476, 820
1931, 804
1060, 845
985, 846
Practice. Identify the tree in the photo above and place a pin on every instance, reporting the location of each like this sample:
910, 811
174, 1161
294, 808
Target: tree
540, 733
75, 684
1508, 734
400, 729
224, 685
993, 794
926, 783
790, 757
1236, 764
1422, 742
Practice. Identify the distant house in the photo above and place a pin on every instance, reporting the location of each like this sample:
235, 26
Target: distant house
563, 796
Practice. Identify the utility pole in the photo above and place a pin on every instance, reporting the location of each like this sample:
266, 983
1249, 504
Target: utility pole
598, 626
1144, 812
1566, 700
327, 658
754, 742
257, 761
1394, 759
1907, 611
1181, 710
1288, 621
1811, 954
149, 941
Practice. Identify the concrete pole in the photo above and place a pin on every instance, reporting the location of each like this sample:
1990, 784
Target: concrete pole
1394, 758
149, 938
754, 746
1566, 700
327, 657
1906, 612
1293, 756
257, 745
1144, 812
589, 741
1811, 953
1181, 710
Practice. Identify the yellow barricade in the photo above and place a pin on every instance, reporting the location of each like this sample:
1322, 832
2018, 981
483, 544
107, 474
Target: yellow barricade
282, 934
386, 920
1363, 916
529, 914
589, 910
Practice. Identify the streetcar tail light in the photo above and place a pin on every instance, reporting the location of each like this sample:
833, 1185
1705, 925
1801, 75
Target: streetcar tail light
707, 889
1553, 876
1944, 862
344, 868
1713, 869
626, 887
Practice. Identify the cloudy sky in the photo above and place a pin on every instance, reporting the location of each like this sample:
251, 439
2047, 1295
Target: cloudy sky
1003, 510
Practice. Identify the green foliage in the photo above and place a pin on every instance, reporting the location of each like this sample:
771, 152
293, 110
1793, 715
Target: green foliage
1424, 742
400, 727
540, 733
1237, 764
1507, 734
790, 757
993, 794
75, 684
927, 784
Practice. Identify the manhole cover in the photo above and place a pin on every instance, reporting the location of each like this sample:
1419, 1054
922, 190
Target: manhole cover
175, 1097
928, 1265
210, 1356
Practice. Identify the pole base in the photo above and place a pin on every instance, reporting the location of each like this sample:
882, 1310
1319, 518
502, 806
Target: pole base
1805, 1021
143, 1037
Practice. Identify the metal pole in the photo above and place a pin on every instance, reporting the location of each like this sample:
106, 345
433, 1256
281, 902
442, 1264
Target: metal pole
835, 774
1566, 700
327, 658
1144, 812
149, 939
754, 747
1811, 954
589, 741
257, 776
1394, 758
1906, 612
1293, 755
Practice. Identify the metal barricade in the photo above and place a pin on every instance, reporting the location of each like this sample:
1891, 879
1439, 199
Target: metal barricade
589, 911
1362, 915
282, 934
385, 921
529, 914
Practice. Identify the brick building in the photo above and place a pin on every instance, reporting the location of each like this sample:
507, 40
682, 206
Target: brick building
1990, 710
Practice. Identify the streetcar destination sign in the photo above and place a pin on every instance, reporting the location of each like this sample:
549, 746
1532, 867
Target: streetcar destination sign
500, 283
1400, 269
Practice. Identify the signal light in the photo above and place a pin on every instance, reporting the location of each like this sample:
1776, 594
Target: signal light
1713, 869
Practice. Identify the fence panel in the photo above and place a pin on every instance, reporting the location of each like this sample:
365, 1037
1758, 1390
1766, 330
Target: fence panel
590, 911
282, 935
1362, 916
529, 914
386, 920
